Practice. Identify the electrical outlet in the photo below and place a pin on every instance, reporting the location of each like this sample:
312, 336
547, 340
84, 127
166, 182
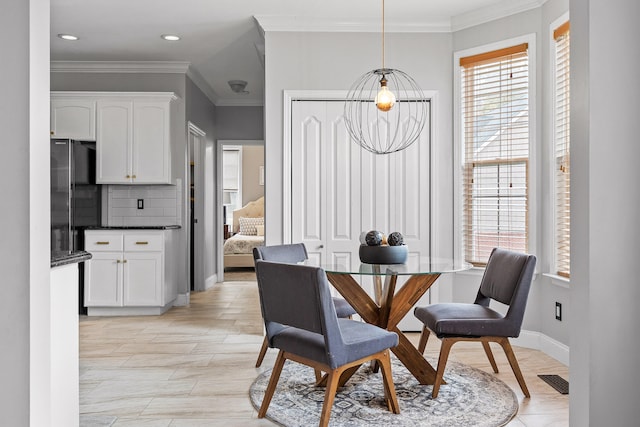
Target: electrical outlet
140, 203
558, 311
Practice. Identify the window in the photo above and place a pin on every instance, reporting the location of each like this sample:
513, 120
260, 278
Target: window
562, 151
231, 170
495, 132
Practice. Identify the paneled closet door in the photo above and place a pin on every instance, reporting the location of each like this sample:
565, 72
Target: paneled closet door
339, 190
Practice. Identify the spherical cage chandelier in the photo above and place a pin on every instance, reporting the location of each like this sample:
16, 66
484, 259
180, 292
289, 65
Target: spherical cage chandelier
385, 111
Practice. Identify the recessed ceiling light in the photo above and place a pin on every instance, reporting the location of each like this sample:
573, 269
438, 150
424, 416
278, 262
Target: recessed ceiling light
67, 37
170, 37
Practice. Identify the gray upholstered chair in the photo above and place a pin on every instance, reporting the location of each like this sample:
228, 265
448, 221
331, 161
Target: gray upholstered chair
300, 320
292, 254
507, 279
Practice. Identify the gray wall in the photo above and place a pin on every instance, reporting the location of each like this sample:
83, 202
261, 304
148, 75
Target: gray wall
240, 123
605, 200
25, 370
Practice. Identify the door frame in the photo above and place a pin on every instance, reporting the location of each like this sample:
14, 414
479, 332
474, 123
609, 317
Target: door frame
219, 190
195, 143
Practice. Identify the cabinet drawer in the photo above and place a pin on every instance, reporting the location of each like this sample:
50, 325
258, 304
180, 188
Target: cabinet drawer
143, 242
103, 242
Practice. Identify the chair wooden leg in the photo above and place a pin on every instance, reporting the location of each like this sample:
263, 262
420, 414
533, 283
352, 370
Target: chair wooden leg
442, 362
329, 395
273, 382
504, 342
318, 374
387, 379
487, 350
424, 337
263, 351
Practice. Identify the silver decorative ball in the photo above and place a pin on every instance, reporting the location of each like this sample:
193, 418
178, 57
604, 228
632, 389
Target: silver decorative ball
374, 238
395, 239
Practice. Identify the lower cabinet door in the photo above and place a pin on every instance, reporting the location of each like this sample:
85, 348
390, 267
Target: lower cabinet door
103, 280
142, 282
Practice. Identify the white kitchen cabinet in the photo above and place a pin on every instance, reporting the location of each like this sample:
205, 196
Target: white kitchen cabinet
131, 272
133, 139
73, 117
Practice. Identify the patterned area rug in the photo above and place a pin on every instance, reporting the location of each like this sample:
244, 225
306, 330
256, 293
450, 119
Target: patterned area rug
471, 397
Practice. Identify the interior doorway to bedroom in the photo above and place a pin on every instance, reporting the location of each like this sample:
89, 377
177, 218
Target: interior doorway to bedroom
241, 178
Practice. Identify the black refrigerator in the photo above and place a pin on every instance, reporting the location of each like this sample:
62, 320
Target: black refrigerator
75, 198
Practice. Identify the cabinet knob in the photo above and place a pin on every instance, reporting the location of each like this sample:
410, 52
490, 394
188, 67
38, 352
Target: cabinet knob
133, 176
124, 261
53, 133
128, 176
142, 243
118, 261
102, 243
321, 246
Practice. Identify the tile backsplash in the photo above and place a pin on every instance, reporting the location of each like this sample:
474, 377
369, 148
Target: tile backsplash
161, 205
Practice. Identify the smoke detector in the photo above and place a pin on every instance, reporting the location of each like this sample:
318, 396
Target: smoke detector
238, 86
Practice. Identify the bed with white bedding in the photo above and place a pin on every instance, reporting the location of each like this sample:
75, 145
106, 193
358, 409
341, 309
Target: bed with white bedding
248, 229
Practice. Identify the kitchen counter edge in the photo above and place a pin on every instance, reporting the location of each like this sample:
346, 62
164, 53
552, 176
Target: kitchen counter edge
132, 227
72, 258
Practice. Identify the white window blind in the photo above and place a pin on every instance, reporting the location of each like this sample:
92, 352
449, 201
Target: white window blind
562, 151
495, 114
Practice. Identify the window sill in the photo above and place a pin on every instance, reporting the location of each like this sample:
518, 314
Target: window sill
560, 281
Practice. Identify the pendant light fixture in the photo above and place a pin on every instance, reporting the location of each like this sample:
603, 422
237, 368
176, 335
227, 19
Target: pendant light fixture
385, 110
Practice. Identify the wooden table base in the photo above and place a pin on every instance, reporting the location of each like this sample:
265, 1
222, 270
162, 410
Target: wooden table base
388, 312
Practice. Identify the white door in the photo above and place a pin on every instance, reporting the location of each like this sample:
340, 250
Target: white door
340, 190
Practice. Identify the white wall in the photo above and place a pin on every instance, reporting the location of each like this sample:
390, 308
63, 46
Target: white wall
333, 61
605, 232
25, 395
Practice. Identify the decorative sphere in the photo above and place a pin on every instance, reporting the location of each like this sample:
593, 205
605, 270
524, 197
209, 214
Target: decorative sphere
395, 239
374, 238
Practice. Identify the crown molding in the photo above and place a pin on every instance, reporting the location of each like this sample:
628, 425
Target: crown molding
436, 24
166, 67
318, 25
488, 14
202, 84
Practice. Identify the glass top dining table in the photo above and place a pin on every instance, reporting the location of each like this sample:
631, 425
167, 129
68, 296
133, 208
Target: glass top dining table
413, 266
388, 306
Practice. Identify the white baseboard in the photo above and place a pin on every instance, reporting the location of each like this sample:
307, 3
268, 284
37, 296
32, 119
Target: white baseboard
210, 281
547, 345
182, 300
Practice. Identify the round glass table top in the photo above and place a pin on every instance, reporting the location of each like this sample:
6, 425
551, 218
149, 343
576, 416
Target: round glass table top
413, 267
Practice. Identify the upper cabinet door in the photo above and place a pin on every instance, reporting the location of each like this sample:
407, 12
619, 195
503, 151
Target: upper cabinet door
114, 141
74, 119
151, 136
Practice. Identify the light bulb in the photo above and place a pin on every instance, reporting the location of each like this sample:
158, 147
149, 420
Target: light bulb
385, 99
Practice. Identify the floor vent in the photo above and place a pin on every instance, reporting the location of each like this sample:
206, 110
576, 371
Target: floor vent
557, 382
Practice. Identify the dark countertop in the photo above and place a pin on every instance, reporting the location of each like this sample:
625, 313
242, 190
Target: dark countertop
138, 227
58, 259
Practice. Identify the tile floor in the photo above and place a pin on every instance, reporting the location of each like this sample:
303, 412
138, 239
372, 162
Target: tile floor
193, 366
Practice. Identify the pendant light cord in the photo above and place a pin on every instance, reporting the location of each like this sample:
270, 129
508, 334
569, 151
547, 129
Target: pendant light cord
383, 34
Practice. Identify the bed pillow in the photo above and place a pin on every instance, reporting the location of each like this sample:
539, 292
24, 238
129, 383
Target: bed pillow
260, 229
248, 225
